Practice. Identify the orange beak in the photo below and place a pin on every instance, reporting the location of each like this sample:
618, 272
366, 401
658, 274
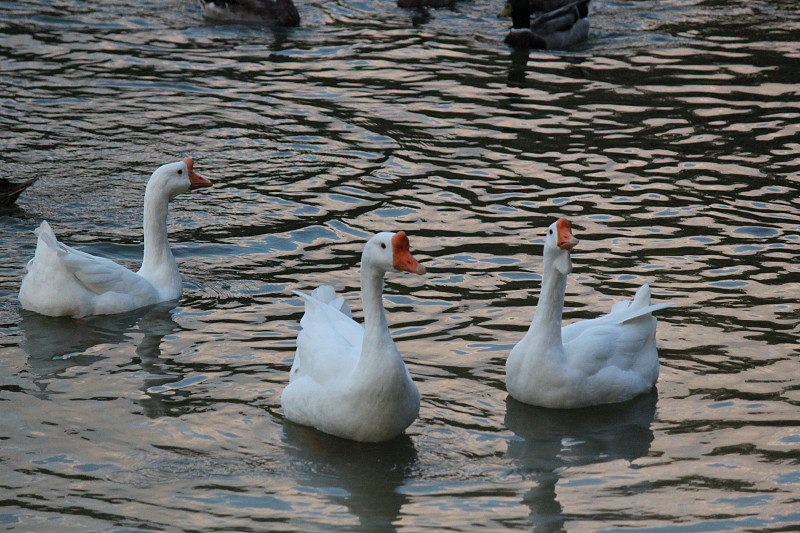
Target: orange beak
403, 260
566, 240
196, 180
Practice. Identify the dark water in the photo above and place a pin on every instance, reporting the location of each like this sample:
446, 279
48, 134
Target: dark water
670, 139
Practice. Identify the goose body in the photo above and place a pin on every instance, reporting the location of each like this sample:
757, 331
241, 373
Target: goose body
347, 380
62, 281
604, 360
554, 30
279, 12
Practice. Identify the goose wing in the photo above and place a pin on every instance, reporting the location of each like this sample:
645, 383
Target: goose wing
329, 344
97, 274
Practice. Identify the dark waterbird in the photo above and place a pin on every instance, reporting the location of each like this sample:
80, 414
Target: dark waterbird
424, 3
542, 6
10, 190
554, 30
279, 12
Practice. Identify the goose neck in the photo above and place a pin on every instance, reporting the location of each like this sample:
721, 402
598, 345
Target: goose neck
157, 252
372, 300
548, 316
379, 355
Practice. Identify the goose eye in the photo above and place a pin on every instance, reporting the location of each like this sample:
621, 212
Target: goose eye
383, 245
551, 232
180, 171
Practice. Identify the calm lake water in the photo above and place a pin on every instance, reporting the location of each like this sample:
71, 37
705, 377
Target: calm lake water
670, 139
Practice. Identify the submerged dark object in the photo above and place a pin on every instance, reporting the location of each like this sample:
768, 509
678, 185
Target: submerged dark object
280, 12
10, 191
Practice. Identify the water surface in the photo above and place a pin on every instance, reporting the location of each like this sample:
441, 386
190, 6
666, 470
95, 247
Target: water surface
670, 139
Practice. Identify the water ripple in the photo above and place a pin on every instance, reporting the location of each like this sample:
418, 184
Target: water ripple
668, 139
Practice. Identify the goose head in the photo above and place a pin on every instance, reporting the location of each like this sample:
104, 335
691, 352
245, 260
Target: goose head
558, 244
390, 252
172, 179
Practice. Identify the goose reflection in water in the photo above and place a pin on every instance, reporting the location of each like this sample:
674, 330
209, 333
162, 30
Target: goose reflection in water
548, 440
518, 69
363, 477
54, 344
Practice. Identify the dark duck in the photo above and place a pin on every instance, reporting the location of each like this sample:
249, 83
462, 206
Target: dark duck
278, 12
10, 190
554, 30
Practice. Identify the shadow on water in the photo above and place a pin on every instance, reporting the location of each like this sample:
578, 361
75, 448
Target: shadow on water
552, 439
363, 477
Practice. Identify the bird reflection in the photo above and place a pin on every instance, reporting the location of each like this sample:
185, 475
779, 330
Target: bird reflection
519, 67
54, 344
551, 439
368, 474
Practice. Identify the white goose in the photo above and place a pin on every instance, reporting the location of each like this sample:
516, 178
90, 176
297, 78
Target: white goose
603, 360
349, 380
62, 281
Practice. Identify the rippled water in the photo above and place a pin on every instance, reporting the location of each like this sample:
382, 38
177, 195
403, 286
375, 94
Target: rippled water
670, 139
